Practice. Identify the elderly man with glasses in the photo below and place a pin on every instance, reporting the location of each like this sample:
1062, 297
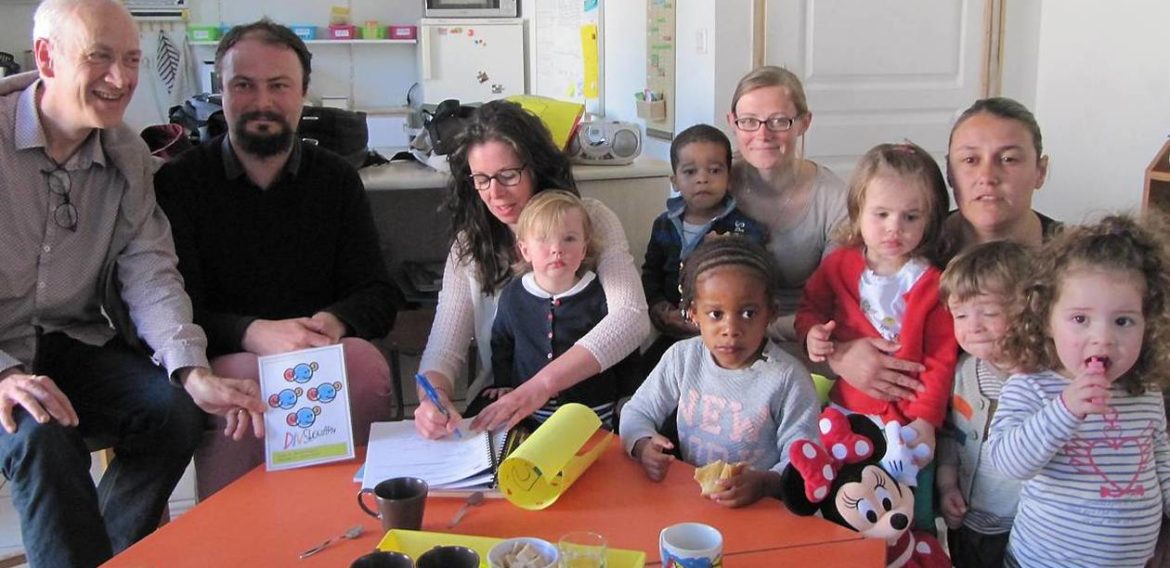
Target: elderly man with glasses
83, 243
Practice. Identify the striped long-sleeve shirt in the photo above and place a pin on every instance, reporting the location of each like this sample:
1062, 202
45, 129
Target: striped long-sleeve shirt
1095, 490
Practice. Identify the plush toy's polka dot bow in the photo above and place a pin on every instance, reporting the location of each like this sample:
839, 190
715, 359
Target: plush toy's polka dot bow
818, 464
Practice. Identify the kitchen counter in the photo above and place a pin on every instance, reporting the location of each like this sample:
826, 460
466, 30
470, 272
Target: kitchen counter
406, 197
411, 174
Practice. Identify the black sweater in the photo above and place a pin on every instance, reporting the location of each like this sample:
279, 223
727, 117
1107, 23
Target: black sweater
305, 244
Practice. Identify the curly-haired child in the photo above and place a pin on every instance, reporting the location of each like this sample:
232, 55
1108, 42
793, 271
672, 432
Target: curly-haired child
1083, 425
977, 503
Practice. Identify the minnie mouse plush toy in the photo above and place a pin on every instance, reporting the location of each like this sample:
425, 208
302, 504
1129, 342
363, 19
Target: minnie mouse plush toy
843, 478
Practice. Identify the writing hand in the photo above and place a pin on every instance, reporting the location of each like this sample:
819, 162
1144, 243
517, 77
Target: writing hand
430, 422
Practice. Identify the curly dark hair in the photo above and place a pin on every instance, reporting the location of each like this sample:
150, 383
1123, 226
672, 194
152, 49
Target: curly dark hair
1117, 243
477, 234
729, 250
904, 159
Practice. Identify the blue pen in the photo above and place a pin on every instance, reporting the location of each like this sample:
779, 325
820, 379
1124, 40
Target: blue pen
433, 395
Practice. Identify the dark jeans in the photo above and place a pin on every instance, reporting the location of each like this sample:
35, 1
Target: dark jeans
970, 549
119, 394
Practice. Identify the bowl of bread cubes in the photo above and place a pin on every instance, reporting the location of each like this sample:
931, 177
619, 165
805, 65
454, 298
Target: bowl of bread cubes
523, 552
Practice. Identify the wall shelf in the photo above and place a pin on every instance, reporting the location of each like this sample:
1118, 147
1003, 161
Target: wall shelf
351, 52
1157, 190
334, 41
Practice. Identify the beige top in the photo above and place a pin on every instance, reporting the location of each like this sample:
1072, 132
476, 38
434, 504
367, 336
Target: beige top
800, 246
465, 312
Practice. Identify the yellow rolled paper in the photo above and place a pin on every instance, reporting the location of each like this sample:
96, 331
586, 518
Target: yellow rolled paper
546, 464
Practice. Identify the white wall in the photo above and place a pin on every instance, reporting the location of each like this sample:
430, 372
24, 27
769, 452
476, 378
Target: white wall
1021, 43
694, 102
706, 80
1102, 100
625, 67
16, 18
703, 81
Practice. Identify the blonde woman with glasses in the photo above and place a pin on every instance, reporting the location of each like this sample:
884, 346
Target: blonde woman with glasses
800, 201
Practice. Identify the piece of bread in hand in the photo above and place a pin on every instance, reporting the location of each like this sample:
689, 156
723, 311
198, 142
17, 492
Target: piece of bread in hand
711, 474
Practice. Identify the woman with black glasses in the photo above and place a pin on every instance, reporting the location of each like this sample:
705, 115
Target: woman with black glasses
504, 157
800, 201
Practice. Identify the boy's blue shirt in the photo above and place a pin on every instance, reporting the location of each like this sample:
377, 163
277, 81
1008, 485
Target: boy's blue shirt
666, 249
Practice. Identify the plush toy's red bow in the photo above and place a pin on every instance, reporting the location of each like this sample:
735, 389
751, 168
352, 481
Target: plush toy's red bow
818, 464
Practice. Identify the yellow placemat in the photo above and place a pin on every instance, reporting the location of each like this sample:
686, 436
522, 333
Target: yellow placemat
414, 543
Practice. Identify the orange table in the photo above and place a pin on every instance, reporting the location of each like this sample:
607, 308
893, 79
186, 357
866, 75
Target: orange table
268, 518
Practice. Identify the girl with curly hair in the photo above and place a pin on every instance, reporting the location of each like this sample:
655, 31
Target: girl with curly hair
1083, 426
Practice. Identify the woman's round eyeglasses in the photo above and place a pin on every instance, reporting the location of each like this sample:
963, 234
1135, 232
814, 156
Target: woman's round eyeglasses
507, 177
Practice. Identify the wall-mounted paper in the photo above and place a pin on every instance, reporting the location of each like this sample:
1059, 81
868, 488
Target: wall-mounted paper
589, 54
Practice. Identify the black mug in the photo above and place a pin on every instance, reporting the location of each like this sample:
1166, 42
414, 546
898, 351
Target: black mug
383, 559
449, 557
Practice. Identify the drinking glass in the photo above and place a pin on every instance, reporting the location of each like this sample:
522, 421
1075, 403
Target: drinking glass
582, 549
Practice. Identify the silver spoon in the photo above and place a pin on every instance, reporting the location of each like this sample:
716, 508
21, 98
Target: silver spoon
472, 500
353, 532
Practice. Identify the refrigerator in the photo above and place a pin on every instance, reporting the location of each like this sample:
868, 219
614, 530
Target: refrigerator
472, 60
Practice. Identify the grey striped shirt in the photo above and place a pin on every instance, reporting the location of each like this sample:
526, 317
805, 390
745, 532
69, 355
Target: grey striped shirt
54, 277
1094, 490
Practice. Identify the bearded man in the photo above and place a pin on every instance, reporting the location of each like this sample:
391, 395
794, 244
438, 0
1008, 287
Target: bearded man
276, 242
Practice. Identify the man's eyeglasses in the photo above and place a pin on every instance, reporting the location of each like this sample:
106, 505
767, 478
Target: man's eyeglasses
506, 177
65, 214
775, 124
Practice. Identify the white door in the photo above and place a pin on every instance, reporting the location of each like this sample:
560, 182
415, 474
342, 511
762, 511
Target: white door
472, 60
879, 70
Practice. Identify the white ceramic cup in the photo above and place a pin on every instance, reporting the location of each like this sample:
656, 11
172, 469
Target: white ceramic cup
691, 544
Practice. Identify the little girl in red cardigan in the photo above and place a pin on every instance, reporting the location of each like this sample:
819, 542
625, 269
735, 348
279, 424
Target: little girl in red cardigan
882, 283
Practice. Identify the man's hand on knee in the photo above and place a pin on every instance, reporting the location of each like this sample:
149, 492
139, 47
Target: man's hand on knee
237, 400
38, 395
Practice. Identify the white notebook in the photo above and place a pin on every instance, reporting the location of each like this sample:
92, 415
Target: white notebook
452, 465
